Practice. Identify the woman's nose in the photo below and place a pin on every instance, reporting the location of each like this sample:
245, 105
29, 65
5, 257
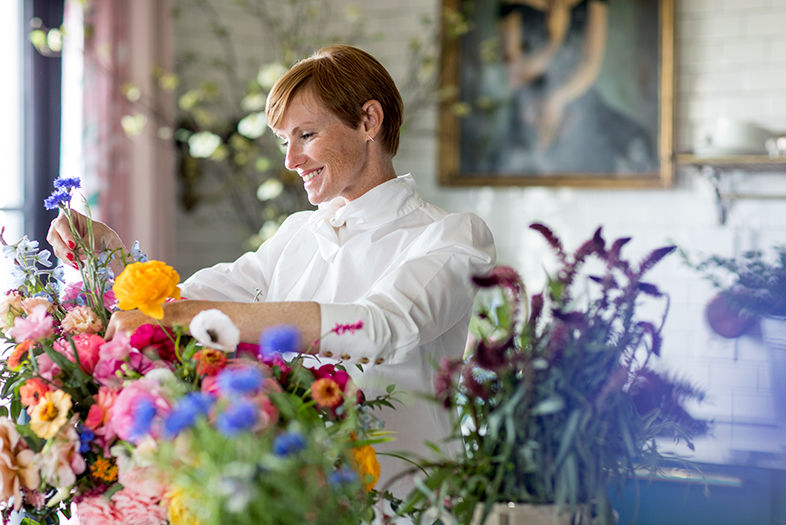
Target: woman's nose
294, 157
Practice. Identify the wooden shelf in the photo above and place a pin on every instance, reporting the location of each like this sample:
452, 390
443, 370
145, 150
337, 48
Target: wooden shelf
733, 161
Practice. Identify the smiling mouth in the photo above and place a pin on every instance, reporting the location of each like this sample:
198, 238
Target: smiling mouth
308, 177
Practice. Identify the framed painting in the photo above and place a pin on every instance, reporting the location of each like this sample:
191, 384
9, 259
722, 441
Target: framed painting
557, 92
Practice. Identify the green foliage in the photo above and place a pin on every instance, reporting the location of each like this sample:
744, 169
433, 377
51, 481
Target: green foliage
558, 401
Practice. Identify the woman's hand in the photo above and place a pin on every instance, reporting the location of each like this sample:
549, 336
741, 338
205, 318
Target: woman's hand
126, 321
63, 243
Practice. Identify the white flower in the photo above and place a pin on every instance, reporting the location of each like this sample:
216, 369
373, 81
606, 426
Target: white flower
253, 125
162, 376
270, 73
270, 189
214, 329
203, 144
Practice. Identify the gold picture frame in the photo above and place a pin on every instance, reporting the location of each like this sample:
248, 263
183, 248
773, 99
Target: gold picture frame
493, 128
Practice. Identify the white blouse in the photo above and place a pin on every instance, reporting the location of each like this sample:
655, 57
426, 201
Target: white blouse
399, 265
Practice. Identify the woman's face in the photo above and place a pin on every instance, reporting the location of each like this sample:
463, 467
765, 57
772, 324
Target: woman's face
328, 155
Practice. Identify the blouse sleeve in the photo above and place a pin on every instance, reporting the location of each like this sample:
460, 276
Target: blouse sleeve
247, 278
418, 301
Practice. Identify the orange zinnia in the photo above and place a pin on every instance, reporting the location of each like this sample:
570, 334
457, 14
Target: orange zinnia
146, 286
19, 351
210, 361
366, 465
32, 392
326, 393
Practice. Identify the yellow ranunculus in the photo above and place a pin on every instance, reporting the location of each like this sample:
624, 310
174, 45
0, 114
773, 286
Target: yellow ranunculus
146, 285
179, 507
366, 464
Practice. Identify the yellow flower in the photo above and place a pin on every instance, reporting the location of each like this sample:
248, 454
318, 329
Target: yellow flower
146, 286
366, 465
179, 509
50, 414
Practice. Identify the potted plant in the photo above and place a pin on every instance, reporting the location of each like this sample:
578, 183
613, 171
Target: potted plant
752, 287
557, 397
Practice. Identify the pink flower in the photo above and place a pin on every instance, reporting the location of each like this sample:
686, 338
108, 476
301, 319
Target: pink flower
146, 482
97, 510
10, 307
81, 319
29, 304
87, 348
100, 415
139, 509
37, 325
127, 402
60, 460
71, 292
47, 368
18, 468
113, 355
152, 337
110, 301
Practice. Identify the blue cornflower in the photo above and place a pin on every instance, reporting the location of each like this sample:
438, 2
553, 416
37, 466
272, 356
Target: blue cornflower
240, 416
58, 273
144, 412
288, 443
67, 183
279, 340
342, 476
42, 258
239, 381
56, 199
186, 411
85, 437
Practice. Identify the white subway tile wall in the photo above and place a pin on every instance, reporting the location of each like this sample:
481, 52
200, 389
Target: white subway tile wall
731, 62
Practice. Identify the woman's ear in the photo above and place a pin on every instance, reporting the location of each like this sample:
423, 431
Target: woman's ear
372, 118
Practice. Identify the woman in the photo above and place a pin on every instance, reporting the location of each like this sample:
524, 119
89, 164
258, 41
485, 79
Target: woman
373, 251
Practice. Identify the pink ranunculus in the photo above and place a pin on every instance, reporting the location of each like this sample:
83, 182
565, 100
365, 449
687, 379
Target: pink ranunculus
37, 325
97, 510
116, 348
80, 320
110, 301
60, 461
47, 368
124, 409
99, 417
152, 337
139, 509
87, 348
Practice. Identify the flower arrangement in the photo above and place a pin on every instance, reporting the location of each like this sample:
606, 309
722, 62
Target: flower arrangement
753, 284
558, 397
177, 425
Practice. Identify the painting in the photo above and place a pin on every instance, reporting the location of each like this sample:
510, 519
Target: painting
557, 93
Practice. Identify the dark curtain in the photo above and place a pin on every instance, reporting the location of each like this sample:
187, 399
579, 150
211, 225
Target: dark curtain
42, 79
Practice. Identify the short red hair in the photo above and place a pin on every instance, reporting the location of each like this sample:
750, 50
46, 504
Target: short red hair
343, 78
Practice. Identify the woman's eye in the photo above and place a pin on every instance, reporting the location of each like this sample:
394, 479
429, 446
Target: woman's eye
306, 136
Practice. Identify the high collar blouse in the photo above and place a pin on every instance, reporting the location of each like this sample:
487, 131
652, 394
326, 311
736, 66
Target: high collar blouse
388, 260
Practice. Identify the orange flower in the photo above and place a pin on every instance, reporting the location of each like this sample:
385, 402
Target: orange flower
19, 351
32, 392
210, 361
326, 393
104, 470
146, 286
365, 463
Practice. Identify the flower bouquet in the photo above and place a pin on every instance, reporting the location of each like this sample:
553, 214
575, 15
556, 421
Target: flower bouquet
178, 425
558, 396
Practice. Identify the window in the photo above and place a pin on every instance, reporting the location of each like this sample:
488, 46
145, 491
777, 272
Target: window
11, 131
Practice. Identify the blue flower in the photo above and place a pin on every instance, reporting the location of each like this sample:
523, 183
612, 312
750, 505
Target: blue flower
239, 381
56, 199
144, 412
288, 443
67, 183
279, 339
42, 258
240, 416
186, 411
342, 476
58, 273
85, 437
137, 254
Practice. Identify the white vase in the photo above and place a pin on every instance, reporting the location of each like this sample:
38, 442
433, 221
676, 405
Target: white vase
773, 332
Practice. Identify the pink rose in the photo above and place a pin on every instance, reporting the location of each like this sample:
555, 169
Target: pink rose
97, 510
139, 509
37, 325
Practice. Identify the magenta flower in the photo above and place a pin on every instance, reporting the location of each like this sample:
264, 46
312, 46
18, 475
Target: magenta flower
36, 326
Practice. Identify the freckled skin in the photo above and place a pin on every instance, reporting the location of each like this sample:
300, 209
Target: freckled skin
316, 138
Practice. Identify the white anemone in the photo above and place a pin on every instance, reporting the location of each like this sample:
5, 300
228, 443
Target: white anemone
214, 329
